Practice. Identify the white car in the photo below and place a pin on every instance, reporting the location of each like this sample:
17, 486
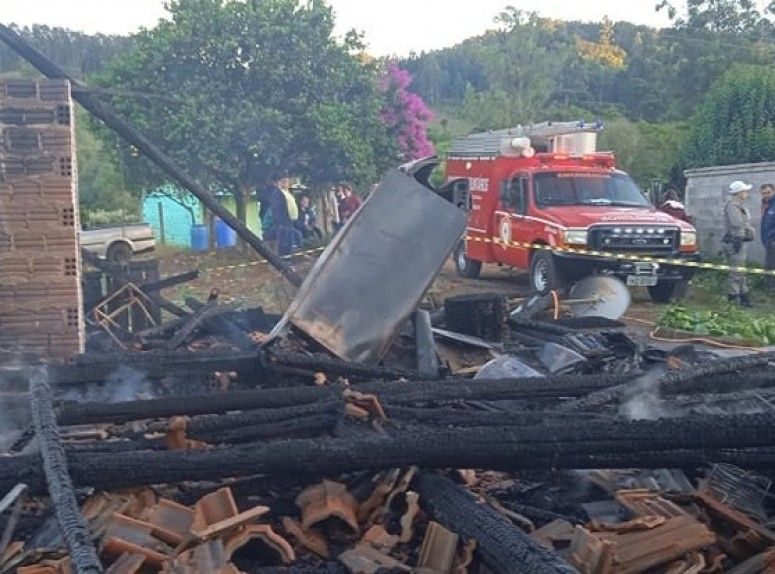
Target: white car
119, 244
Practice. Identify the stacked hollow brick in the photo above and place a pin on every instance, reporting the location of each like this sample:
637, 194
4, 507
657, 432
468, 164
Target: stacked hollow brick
40, 272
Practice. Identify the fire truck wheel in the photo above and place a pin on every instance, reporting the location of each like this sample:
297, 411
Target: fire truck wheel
668, 291
466, 267
544, 275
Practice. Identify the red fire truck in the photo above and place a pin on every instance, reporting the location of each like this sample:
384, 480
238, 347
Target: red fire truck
547, 185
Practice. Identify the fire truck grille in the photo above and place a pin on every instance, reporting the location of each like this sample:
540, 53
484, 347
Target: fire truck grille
641, 239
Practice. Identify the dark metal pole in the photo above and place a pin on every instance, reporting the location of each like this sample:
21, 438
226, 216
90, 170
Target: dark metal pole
87, 99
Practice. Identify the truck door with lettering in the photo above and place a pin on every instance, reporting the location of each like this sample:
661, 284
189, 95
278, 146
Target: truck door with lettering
510, 223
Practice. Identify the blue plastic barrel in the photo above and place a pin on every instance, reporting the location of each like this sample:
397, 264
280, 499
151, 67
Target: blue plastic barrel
225, 236
199, 238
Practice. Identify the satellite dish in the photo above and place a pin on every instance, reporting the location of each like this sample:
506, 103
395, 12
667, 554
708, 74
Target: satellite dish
599, 296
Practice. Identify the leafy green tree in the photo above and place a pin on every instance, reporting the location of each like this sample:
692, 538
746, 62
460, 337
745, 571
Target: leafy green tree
101, 185
719, 15
736, 121
77, 53
252, 87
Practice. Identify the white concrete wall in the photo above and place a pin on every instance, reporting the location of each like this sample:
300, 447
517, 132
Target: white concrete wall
706, 194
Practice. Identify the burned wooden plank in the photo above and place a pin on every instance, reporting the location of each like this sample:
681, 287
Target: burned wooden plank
196, 320
225, 327
636, 443
339, 367
501, 544
392, 391
72, 525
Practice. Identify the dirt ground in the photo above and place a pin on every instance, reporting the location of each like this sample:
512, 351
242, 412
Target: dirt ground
255, 283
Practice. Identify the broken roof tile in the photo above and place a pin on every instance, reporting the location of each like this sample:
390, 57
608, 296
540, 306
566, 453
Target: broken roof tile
223, 526
438, 550
326, 500
127, 564
648, 503
638, 551
379, 538
384, 486
408, 518
309, 539
214, 507
172, 521
265, 533
363, 559
129, 535
208, 557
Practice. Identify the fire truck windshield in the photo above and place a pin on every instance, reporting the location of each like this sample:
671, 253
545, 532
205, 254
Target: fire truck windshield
602, 189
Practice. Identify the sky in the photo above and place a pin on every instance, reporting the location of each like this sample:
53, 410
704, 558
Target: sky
392, 27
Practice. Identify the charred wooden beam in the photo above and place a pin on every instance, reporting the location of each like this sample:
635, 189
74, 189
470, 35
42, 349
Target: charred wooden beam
96, 107
394, 392
338, 367
304, 427
678, 379
191, 324
99, 368
504, 548
470, 417
700, 438
209, 424
225, 327
72, 525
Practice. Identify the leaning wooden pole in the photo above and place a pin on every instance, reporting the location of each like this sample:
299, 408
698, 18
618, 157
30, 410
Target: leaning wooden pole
96, 107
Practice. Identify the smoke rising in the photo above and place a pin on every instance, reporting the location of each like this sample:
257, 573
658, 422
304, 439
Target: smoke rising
644, 401
124, 384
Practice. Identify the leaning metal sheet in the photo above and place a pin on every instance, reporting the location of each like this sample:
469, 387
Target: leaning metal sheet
371, 277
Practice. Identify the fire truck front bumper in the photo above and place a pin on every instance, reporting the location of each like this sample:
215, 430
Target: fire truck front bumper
575, 267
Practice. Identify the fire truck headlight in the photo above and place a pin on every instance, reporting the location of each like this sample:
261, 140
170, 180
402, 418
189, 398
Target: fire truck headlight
575, 236
688, 238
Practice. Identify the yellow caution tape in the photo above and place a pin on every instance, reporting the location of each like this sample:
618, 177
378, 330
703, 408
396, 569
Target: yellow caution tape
263, 261
623, 256
554, 249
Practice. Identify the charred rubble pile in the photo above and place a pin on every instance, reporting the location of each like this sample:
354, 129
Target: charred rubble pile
296, 462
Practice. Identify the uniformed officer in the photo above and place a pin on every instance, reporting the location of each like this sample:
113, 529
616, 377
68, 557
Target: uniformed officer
737, 232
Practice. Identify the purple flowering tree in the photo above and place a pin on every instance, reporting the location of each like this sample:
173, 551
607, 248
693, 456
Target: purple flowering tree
405, 113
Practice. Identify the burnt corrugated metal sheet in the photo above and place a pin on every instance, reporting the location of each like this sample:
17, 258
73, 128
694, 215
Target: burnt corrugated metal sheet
374, 273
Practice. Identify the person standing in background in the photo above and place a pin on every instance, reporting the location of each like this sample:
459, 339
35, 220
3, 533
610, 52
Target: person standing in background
349, 203
737, 232
671, 204
768, 229
289, 236
307, 222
